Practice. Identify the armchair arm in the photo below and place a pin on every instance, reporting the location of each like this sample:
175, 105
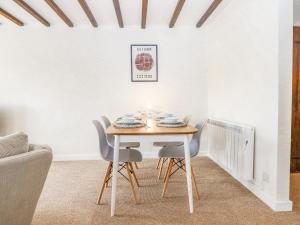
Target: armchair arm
36, 147
22, 178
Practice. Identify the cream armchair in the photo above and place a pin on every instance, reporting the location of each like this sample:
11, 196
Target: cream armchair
22, 178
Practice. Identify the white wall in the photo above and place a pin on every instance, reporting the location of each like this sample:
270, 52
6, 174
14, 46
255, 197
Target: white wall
285, 59
55, 81
249, 81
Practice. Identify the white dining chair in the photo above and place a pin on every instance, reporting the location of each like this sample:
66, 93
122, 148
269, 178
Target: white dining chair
127, 156
161, 161
111, 138
175, 154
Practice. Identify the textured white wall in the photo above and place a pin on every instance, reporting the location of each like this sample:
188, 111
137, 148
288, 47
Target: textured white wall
249, 78
55, 81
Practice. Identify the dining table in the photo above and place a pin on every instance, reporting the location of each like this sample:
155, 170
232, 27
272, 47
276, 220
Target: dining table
150, 133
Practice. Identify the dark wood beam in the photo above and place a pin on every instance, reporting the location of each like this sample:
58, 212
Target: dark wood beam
209, 11
59, 12
176, 13
11, 17
144, 13
88, 12
32, 12
118, 13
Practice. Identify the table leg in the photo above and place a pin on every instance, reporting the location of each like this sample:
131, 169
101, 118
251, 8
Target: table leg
114, 174
188, 171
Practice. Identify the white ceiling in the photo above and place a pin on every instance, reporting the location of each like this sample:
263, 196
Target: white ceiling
159, 12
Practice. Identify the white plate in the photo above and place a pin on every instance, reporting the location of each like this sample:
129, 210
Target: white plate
171, 120
165, 115
122, 125
130, 118
171, 125
128, 121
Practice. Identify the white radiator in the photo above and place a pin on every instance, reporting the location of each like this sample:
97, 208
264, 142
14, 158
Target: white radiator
231, 146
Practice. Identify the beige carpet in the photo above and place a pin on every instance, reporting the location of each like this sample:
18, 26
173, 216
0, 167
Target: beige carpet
71, 190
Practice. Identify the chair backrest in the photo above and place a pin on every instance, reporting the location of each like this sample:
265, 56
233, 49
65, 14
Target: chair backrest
110, 138
105, 121
195, 142
104, 146
186, 119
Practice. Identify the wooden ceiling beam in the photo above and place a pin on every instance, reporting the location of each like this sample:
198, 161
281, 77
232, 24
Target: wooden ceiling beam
118, 13
144, 13
176, 13
59, 12
88, 12
209, 11
11, 17
32, 12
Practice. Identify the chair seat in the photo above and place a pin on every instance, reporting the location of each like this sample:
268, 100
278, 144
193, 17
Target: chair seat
129, 144
126, 155
165, 144
173, 152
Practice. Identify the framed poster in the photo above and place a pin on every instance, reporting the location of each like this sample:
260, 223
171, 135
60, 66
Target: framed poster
144, 63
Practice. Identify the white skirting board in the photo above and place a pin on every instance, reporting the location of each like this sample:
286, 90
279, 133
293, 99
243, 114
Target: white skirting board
75, 157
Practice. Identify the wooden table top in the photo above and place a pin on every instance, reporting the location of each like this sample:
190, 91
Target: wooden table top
151, 129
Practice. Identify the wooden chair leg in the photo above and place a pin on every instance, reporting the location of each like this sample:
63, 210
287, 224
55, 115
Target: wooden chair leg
104, 182
110, 171
134, 175
131, 183
195, 184
167, 177
158, 163
183, 164
136, 165
161, 167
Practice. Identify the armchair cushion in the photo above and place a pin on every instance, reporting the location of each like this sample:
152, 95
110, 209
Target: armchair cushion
13, 144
